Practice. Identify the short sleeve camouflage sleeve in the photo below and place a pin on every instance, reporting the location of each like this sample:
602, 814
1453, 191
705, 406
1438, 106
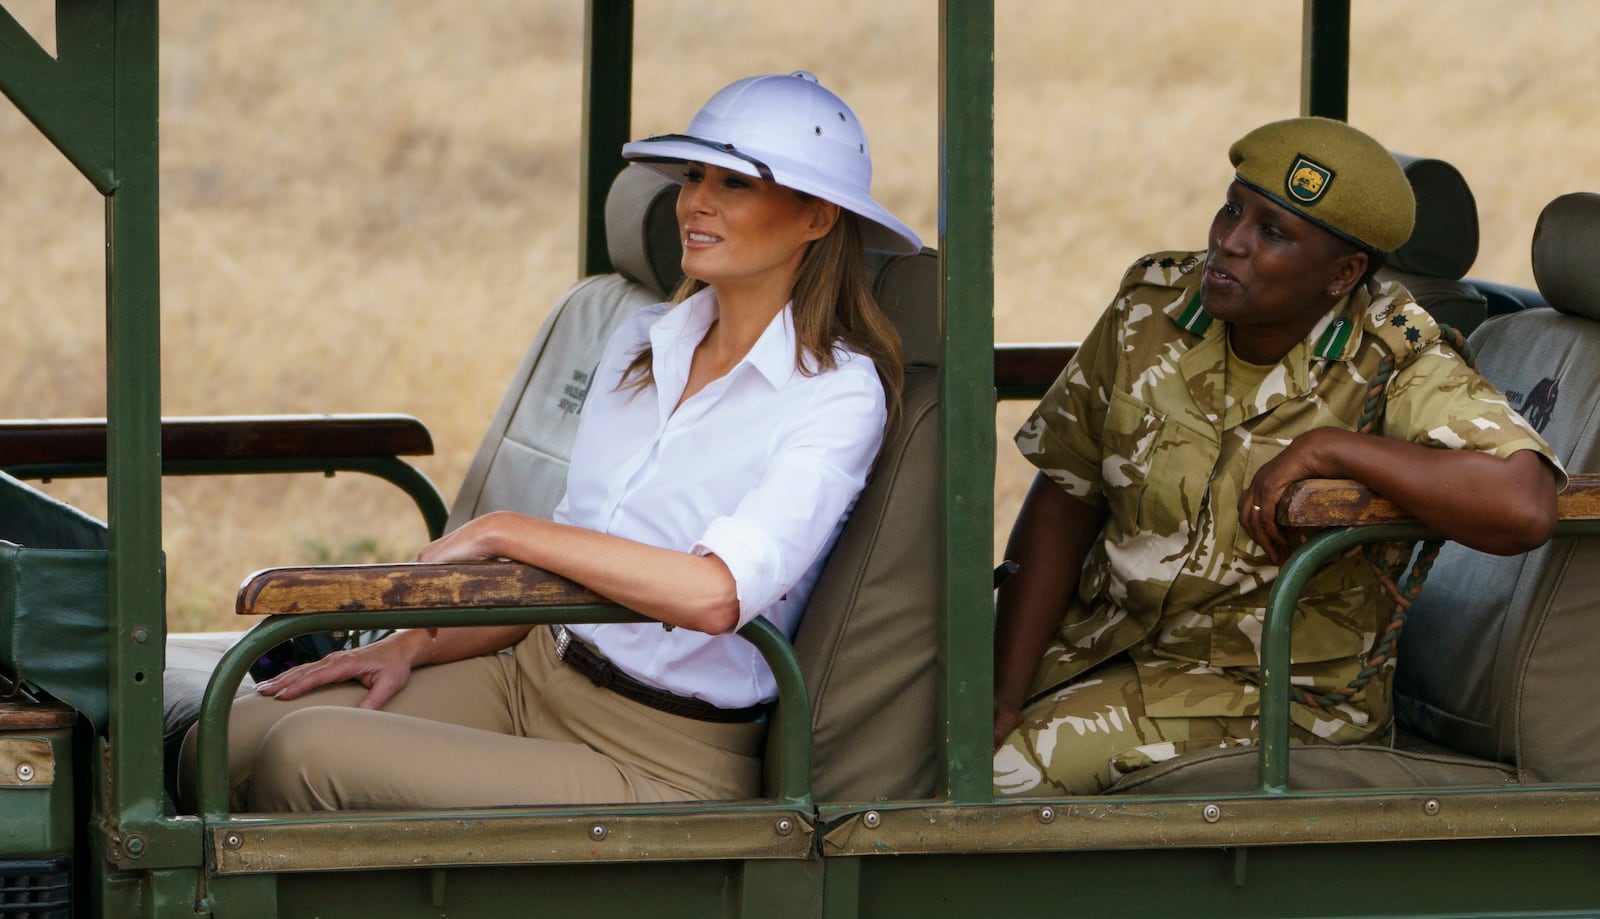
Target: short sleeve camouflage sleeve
1061, 437
1436, 400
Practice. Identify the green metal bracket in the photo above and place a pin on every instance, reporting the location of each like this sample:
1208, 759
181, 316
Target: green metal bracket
69, 97
404, 476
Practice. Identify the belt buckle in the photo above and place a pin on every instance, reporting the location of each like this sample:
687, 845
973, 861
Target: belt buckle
563, 642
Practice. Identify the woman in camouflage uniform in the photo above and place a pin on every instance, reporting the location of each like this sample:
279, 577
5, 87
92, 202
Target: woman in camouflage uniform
1147, 543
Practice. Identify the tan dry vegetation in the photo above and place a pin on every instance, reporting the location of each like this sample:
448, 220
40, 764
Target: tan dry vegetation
369, 205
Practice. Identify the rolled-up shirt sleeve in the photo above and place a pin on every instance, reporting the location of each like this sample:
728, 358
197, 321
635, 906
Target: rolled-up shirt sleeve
820, 461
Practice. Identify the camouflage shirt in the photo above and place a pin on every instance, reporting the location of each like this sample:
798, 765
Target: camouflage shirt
1140, 425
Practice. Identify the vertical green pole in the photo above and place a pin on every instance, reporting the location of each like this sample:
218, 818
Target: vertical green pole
607, 113
1325, 59
133, 411
966, 241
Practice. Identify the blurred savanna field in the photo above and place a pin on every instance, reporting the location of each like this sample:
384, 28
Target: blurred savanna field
369, 205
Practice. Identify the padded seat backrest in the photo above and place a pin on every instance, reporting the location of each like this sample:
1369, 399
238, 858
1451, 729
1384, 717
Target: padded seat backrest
1442, 247
868, 643
1498, 652
522, 463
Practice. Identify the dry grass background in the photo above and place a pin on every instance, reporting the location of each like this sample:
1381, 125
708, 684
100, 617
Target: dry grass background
368, 205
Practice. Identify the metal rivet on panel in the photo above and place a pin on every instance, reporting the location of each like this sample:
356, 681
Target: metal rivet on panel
1047, 814
1431, 807
1211, 812
232, 841
598, 832
871, 820
25, 772
785, 826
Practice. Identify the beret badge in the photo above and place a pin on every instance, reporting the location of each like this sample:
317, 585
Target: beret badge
1307, 180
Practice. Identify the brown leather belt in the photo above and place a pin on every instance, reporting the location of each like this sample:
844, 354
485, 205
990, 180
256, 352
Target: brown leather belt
602, 673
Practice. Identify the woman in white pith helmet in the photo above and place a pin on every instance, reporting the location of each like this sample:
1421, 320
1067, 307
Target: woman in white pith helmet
725, 441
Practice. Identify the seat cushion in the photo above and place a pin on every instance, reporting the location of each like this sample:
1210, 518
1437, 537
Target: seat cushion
1316, 768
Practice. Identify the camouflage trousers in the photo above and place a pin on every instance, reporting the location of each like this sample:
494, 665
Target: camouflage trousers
1083, 737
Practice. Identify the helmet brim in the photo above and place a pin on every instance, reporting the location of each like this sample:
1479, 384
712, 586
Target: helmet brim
880, 229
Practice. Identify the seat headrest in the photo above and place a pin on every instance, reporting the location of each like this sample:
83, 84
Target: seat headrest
642, 229
907, 288
1444, 243
1566, 254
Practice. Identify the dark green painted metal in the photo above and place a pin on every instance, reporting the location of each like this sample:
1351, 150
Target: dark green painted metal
53, 624
607, 119
841, 888
36, 822
1325, 59
1546, 877
794, 712
966, 244
691, 890
256, 897
408, 478
133, 416
68, 97
780, 889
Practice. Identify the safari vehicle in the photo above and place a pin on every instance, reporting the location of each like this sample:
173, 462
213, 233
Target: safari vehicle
878, 800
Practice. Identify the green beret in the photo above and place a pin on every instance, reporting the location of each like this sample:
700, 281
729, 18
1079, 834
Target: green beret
1331, 174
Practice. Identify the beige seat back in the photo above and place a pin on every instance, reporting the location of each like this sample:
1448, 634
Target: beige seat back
522, 463
1442, 247
868, 643
1498, 653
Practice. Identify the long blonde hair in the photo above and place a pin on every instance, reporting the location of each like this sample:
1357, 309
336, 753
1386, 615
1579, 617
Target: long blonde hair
833, 304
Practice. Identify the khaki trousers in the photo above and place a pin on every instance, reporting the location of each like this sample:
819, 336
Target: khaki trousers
1084, 737
498, 730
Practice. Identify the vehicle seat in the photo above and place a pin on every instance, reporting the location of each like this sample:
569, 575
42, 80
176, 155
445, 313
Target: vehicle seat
868, 643
1508, 640
1442, 247
1493, 670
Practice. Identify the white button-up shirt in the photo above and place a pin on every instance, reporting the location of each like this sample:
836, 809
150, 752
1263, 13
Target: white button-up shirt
760, 468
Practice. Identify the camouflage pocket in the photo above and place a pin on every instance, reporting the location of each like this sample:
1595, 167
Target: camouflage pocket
1128, 442
1262, 450
1328, 627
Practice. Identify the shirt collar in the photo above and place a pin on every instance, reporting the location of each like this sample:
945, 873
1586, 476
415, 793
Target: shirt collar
1336, 336
678, 331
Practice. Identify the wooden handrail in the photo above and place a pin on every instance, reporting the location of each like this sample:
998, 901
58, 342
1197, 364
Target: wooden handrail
1342, 502
406, 586
262, 437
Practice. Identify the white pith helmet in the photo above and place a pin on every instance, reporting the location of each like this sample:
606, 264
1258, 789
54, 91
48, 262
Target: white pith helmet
788, 129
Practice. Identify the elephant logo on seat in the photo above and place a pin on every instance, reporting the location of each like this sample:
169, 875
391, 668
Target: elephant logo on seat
1308, 180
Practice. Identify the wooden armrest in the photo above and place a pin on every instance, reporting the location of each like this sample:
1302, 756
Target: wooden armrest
1027, 370
406, 586
1342, 502
83, 440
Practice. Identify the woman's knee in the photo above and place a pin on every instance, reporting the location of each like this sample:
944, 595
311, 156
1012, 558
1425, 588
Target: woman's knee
299, 757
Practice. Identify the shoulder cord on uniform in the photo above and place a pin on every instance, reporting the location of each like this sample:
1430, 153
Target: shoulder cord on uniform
1384, 652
